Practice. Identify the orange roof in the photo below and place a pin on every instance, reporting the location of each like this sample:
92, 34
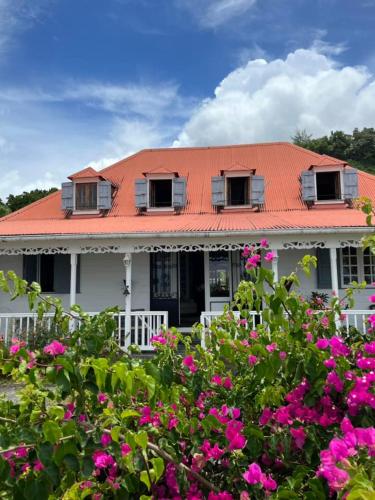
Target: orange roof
280, 163
86, 173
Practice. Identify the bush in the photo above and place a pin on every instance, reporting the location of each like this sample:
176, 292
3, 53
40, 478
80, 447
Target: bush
285, 411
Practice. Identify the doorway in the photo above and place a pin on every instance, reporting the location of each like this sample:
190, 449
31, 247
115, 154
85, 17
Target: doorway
192, 296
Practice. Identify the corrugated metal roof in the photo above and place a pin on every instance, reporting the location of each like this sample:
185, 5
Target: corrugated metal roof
280, 163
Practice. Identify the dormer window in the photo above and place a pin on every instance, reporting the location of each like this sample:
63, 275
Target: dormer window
237, 189
160, 193
88, 192
322, 185
86, 196
328, 186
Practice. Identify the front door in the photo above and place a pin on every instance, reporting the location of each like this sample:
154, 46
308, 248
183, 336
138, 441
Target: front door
219, 279
177, 286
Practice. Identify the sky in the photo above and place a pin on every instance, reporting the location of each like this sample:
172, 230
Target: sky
88, 82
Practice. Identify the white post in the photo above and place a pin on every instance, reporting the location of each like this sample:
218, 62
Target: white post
73, 279
334, 275
128, 281
275, 265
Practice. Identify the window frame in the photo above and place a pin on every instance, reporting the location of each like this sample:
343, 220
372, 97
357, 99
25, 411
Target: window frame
38, 272
161, 177
360, 266
322, 170
230, 175
85, 211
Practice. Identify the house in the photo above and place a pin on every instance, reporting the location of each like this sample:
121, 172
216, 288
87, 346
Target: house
163, 230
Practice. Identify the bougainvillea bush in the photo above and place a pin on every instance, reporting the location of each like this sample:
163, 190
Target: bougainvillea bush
283, 410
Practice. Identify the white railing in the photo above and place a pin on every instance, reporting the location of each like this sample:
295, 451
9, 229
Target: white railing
207, 317
358, 318
142, 325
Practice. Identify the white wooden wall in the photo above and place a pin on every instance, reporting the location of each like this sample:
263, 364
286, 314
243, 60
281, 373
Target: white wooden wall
102, 281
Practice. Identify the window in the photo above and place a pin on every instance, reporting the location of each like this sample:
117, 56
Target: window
328, 186
219, 274
160, 193
357, 265
163, 275
52, 272
349, 263
368, 266
86, 196
238, 192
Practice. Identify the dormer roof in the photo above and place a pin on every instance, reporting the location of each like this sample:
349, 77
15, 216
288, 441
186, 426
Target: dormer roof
86, 173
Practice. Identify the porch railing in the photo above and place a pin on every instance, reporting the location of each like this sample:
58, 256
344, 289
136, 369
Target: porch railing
141, 327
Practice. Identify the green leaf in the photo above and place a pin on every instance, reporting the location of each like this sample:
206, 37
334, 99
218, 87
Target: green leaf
141, 439
130, 413
52, 431
100, 367
158, 466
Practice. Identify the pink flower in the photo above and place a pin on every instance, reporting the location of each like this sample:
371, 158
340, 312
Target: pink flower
21, 452
38, 466
371, 320
252, 359
125, 449
55, 348
268, 483
299, 436
86, 484
309, 312
372, 299
253, 474
227, 383
366, 363
309, 337
253, 261
282, 355
271, 347
330, 363
265, 416
102, 398
338, 347
188, 361
216, 379
269, 256
322, 344
370, 347
68, 415
14, 349
105, 440
102, 459
158, 339
338, 449
224, 495
173, 423
264, 243
324, 322
254, 334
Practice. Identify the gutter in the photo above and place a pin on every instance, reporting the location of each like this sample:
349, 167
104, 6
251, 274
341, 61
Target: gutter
189, 234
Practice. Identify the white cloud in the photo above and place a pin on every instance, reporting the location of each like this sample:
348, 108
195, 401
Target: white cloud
14, 182
18, 15
214, 13
269, 101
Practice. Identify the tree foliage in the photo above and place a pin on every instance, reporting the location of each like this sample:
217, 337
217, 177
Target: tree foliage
15, 202
357, 148
284, 410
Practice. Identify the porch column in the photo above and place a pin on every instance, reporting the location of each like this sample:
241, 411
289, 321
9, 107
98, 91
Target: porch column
334, 275
128, 306
275, 265
73, 279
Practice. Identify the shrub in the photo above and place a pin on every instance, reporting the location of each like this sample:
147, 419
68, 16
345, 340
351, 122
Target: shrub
285, 411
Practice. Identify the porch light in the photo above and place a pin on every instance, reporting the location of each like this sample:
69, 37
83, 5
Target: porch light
127, 260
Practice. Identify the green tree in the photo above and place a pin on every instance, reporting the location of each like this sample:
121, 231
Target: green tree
4, 210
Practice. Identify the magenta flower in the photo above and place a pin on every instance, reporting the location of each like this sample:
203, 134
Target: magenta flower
282, 355
370, 347
55, 348
252, 359
173, 423
265, 416
189, 362
264, 243
254, 334
371, 320
125, 449
158, 339
102, 460
269, 256
322, 343
253, 261
105, 440
330, 363
271, 347
86, 484
227, 383
338, 347
299, 436
372, 299
366, 363
253, 474
38, 466
14, 349
102, 398
268, 483
216, 379
309, 337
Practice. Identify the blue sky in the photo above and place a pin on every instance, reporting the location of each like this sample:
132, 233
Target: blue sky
91, 81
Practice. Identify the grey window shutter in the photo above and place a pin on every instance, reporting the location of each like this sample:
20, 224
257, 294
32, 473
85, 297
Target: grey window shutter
257, 189
30, 268
105, 195
218, 191
308, 186
324, 268
350, 184
179, 192
141, 193
67, 196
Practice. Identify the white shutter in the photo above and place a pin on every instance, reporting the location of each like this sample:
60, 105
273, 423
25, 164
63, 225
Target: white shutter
141, 193
308, 185
350, 184
67, 196
257, 190
218, 191
105, 195
179, 192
